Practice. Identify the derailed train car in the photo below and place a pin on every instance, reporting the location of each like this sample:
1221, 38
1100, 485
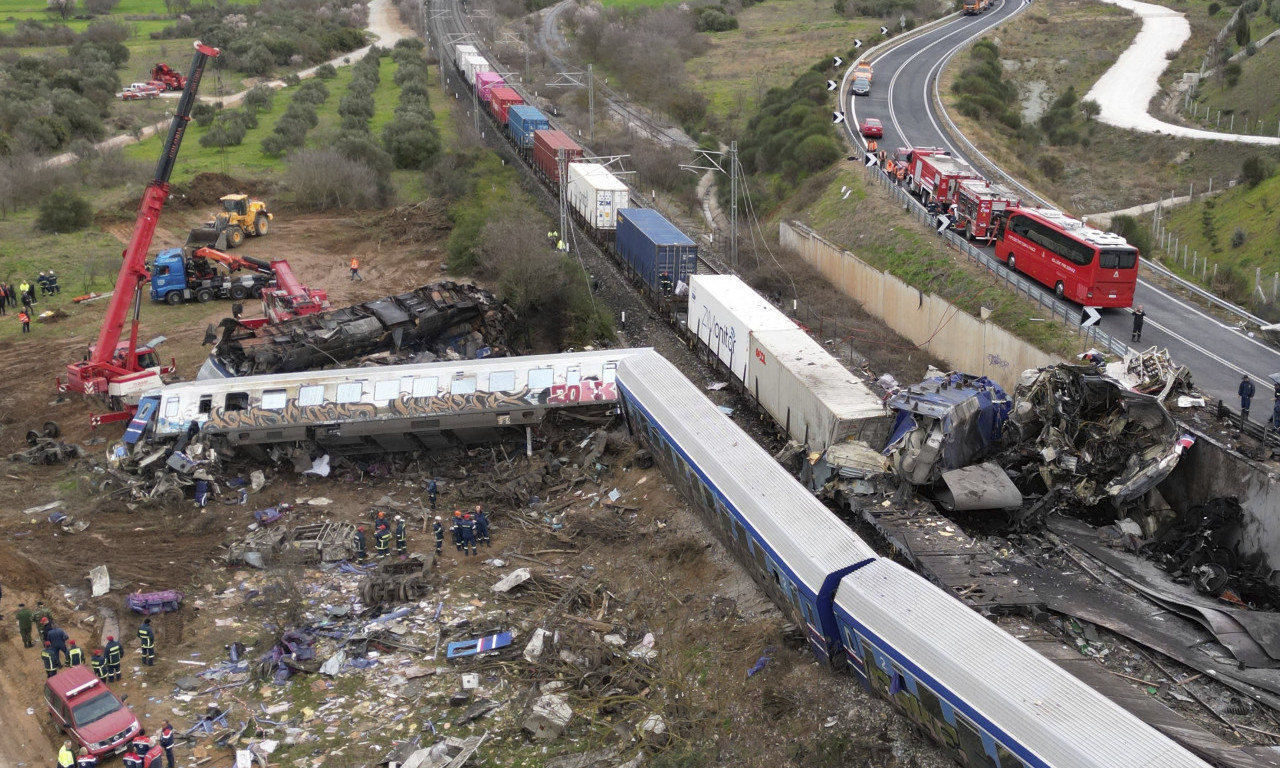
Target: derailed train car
987, 698
439, 319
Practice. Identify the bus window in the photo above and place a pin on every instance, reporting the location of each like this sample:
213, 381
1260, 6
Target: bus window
1112, 258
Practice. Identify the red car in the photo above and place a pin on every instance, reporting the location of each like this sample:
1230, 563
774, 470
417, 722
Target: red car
84, 706
871, 128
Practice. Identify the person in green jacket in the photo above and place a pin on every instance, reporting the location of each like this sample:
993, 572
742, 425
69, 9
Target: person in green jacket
24, 624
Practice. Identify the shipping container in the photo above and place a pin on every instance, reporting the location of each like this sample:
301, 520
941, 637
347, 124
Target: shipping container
723, 312
596, 195
650, 245
460, 54
546, 153
473, 65
522, 121
501, 99
810, 394
484, 82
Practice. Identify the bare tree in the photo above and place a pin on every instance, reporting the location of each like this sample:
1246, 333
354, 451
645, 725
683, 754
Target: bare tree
323, 179
63, 8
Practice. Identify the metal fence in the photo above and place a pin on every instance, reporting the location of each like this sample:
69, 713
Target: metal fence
1069, 314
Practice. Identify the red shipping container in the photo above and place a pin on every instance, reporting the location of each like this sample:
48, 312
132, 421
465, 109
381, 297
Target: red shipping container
502, 98
546, 147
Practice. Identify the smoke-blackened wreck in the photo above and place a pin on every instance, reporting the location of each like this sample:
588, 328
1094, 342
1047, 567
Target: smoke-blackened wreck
437, 321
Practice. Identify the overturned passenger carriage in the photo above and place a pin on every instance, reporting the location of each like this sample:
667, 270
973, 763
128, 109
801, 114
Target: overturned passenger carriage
438, 319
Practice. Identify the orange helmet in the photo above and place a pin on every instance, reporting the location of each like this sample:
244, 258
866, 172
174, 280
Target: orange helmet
457, 513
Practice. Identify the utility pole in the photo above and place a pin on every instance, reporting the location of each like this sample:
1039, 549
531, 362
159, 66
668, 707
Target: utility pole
711, 162
562, 171
574, 78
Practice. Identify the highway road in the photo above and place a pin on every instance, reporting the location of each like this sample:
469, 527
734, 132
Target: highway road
1218, 352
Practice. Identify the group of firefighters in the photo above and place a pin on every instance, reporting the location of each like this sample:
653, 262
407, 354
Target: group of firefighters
59, 650
894, 170
142, 752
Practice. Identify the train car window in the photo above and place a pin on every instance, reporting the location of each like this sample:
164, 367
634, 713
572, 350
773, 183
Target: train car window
971, 744
708, 498
760, 556
350, 391
206, 404
311, 395
274, 399
899, 682
930, 702
386, 390
610, 373
502, 381
541, 378
1007, 758
406, 384
572, 375
427, 386
171, 408
236, 401
462, 386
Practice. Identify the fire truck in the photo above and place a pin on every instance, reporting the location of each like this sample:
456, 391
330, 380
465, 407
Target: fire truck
979, 205
935, 175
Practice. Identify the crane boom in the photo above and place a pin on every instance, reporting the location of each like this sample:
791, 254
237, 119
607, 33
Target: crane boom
109, 361
234, 262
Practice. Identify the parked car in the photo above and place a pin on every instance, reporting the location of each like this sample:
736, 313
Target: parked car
83, 706
871, 128
861, 86
140, 91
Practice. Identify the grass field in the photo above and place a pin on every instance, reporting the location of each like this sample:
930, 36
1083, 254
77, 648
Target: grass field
775, 42
1255, 97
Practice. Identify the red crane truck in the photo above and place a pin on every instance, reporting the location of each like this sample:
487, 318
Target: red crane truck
167, 78
117, 369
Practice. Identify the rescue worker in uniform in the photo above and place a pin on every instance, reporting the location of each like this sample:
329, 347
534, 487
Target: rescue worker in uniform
115, 655
402, 538
382, 540
98, 663
468, 535
433, 489
166, 742
50, 660
437, 528
85, 760
56, 638
457, 529
43, 619
75, 656
24, 624
664, 282
147, 639
362, 552
140, 750
66, 758
482, 527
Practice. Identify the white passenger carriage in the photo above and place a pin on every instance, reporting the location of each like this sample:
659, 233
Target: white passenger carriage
398, 407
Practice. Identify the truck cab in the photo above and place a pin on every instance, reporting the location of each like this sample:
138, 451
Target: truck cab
95, 717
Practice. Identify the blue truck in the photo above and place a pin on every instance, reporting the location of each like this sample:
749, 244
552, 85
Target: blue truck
193, 274
656, 251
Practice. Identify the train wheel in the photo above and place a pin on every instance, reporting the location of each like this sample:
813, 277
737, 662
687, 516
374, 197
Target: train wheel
1059, 289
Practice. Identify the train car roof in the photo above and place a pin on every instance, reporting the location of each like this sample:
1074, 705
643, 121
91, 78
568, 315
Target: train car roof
840, 391
448, 368
655, 226
804, 536
1041, 708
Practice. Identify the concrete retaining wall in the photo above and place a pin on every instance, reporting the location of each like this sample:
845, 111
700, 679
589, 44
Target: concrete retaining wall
965, 342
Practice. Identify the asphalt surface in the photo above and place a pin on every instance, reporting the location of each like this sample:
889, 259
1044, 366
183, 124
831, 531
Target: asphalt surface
1218, 353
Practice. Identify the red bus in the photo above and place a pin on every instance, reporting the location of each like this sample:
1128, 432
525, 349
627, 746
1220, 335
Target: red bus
1086, 265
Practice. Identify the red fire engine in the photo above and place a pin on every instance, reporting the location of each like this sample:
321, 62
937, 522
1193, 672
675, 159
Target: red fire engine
979, 204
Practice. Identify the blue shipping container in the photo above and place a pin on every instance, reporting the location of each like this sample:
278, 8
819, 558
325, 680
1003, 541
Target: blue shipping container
522, 121
651, 245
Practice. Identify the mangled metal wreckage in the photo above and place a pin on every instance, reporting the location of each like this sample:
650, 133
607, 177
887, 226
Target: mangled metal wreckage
436, 321
1086, 435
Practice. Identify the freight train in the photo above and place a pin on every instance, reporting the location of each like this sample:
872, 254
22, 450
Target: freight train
653, 252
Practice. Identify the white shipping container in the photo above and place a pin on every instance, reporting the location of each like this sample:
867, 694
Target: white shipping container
460, 53
596, 194
811, 394
724, 311
473, 64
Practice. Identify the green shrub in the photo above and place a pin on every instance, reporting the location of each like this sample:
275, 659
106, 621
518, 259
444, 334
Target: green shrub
1255, 170
1051, 166
64, 211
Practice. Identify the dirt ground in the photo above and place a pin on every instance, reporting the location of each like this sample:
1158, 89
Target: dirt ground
665, 572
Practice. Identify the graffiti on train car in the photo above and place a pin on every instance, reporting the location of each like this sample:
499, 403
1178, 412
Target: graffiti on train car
403, 406
587, 391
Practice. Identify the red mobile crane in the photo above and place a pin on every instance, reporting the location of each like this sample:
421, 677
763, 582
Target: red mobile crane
122, 370
167, 77
284, 299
